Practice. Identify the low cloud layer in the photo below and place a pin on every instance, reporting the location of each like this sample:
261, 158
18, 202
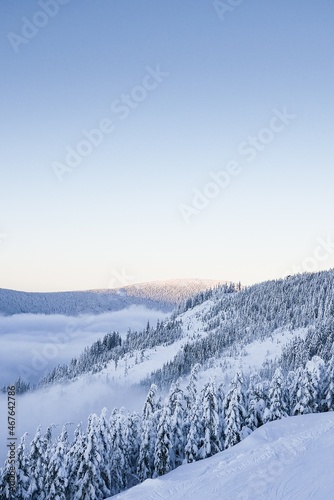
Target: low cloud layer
32, 344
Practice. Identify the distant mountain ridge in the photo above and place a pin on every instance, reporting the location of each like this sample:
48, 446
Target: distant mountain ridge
162, 295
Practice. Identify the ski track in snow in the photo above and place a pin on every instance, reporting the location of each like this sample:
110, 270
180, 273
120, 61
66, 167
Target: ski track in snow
290, 459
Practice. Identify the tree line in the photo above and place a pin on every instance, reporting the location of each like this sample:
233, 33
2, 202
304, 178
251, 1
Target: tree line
191, 423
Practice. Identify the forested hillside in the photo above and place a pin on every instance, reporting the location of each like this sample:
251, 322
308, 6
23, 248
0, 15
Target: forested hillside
116, 452
217, 324
189, 416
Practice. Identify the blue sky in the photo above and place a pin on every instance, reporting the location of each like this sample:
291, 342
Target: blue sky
128, 212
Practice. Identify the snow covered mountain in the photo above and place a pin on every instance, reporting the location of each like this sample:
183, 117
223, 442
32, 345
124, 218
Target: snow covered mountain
290, 459
221, 329
161, 295
205, 385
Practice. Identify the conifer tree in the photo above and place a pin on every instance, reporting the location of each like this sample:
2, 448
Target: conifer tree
221, 413
191, 390
56, 480
38, 464
305, 393
328, 402
148, 435
234, 412
88, 483
105, 449
22, 470
195, 436
133, 439
290, 383
211, 425
118, 465
73, 459
163, 445
176, 403
277, 401
8, 478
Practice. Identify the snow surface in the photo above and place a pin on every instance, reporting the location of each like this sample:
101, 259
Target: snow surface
290, 459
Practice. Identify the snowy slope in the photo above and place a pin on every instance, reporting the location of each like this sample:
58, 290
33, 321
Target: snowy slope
290, 459
249, 357
118, 386
133, 369
162, 295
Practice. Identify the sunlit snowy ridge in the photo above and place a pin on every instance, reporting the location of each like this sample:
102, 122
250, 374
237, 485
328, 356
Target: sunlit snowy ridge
163, 295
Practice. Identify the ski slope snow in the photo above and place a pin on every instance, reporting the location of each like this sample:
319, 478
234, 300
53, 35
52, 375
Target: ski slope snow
289, 459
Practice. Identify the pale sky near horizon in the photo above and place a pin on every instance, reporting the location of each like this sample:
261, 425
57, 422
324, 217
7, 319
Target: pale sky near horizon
214, 159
